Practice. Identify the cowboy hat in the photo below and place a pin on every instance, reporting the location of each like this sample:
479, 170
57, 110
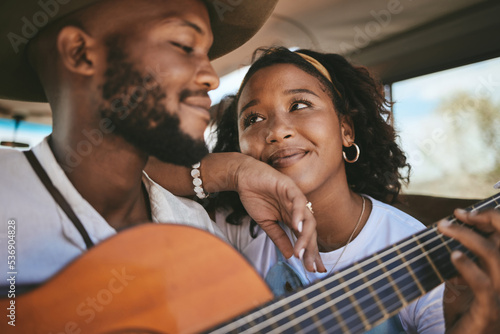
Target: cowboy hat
233, 23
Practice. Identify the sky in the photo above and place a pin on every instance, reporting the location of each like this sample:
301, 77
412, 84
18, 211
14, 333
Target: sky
27, 132
435, 152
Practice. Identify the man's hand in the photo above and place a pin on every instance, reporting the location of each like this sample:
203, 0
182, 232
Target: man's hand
471, 301
270, 196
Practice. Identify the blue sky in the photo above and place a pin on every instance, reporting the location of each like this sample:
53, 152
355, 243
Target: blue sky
436, 152
419, 96
30, 133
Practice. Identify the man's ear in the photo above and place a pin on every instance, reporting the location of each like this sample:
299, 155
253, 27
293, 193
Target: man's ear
77, 50
347, 128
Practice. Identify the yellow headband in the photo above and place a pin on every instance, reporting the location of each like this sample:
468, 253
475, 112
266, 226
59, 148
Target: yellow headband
321, 69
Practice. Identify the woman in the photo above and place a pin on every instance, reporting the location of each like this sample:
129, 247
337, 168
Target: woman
327, 130
322, 122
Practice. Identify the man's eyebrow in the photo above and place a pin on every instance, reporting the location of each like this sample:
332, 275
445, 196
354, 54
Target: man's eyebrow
185, 23
299, 90
248, 105
193, 25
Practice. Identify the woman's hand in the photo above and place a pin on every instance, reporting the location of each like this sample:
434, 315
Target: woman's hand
471, 301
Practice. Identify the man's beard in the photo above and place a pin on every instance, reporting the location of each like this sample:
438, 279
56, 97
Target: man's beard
133, 102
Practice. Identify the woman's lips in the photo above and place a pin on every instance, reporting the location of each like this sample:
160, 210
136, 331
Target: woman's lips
286, 157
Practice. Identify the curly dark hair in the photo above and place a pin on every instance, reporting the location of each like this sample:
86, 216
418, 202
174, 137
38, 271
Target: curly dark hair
381, 168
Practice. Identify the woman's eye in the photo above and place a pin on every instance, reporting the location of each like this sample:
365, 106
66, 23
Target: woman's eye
252, 119
183, 47
299, 105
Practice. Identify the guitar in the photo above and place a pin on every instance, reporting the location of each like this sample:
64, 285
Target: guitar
166, 278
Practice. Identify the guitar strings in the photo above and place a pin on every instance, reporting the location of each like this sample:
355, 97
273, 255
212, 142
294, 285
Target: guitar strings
344, 296
298, 320
285, 300
365, 297
288, 299
414, 293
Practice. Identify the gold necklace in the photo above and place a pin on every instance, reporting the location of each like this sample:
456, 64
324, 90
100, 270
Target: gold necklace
349, 240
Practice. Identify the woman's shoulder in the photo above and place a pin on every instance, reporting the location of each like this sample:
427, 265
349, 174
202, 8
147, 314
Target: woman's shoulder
395, 218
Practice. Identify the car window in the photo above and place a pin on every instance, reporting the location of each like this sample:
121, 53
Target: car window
449, 126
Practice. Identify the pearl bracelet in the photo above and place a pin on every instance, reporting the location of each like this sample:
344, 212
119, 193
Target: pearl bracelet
198, 188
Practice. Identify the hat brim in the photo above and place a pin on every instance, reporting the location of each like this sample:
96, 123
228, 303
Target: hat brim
233, 23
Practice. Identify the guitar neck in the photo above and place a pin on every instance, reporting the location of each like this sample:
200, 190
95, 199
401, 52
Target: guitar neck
367, 293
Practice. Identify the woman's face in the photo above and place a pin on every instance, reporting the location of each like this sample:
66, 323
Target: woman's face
287, 119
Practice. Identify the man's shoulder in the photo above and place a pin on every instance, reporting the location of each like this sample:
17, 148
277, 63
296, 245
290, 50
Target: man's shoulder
6, 153
12, 162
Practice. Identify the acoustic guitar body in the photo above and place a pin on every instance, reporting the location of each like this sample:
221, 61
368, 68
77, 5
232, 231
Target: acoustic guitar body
151, 278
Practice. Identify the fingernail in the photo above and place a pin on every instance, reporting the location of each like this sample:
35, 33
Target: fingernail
315, 267
299, 226
456, 255
445, 223
301, 253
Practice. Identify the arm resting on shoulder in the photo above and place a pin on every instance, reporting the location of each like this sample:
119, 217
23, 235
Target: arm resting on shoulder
267, 195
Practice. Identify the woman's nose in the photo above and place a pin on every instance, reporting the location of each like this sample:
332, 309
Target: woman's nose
280, 128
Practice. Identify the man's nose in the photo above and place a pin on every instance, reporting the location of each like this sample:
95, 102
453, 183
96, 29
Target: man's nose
206, 76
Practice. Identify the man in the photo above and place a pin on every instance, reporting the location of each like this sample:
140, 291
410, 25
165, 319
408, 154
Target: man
125, 80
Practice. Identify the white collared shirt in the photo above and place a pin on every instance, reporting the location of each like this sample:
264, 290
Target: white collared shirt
46, 239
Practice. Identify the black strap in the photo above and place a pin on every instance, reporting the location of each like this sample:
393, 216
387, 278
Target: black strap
58, 197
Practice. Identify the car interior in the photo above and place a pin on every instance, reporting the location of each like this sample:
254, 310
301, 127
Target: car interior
399, 41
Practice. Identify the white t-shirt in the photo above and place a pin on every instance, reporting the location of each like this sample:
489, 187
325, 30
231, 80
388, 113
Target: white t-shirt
46, 240
385, 226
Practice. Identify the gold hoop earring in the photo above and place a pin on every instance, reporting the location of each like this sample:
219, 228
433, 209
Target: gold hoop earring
357, 155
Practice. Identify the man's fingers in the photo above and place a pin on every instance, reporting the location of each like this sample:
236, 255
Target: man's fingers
487, 221
304, 237
484, 311
475, 278
299, 211
485, 249
320, 267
